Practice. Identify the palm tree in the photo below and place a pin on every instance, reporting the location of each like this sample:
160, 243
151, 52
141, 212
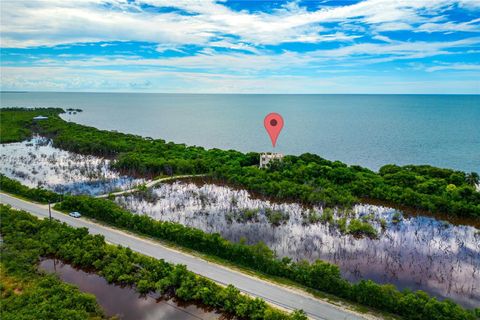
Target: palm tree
472, 178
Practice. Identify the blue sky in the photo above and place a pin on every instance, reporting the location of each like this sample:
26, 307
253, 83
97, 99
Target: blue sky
370, 46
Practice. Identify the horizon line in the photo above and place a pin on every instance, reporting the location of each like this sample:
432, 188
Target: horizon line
230, 93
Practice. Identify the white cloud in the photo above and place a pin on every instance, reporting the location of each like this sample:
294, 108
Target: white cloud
393, 26
454, 66
67, 79
162, 47
229, 44
210, 60
247, 65
400, 48
469, 26
53, 22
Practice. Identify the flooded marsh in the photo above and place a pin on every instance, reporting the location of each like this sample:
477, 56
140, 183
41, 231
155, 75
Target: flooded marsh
36, 163
409, 251
415, 252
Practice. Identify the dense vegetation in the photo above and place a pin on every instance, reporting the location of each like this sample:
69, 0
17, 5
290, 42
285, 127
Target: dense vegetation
319, 275
16, 123
26, 294
36, 194
26, 239
307, 178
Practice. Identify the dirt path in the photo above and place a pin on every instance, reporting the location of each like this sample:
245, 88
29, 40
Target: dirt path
150, 184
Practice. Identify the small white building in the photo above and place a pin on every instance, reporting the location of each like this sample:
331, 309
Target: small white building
40, 118
266, 157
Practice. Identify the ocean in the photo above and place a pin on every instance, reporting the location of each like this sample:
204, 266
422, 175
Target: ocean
366, 130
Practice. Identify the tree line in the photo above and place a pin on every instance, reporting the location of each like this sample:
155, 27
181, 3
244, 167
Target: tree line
307, 178
27, 238
36, 194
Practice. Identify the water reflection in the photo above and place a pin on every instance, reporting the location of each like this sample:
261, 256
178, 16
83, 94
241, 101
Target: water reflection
417, 252
125, 302
37, 163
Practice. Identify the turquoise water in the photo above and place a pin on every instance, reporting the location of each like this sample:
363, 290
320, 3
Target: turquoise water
368, 130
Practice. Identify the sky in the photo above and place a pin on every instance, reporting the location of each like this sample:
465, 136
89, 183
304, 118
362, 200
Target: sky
206, 46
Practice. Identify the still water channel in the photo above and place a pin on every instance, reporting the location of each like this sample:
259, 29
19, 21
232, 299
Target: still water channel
123, 301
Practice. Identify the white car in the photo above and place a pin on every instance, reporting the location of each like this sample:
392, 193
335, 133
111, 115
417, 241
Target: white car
75, 214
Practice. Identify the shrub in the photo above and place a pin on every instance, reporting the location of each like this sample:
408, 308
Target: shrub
359, 228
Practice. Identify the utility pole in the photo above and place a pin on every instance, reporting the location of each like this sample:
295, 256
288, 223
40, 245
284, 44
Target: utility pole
49, 211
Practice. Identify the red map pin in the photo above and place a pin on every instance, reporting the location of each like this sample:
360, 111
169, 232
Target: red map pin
273, 122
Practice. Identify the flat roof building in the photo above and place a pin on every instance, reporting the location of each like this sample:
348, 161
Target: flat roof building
267, 157
40, 118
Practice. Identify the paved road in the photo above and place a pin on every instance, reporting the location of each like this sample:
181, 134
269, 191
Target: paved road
272, 293
150, 184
